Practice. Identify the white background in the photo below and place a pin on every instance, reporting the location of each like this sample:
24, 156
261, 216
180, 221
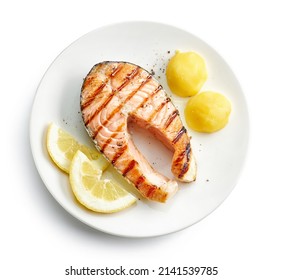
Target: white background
39, 239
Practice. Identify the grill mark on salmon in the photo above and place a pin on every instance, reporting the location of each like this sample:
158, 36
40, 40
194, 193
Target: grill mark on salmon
131, 92
110, 138
186, 164
141, 179
148, 97
151, 191
171, 118
159, 108
179, 134
92, 97
129, 167
118, 154
129, 78
88, 81
116, 70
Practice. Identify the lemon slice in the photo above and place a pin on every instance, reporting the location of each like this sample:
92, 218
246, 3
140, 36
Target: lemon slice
62, 147
105, 196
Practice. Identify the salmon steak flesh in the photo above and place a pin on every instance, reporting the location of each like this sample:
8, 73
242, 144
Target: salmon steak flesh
116, 93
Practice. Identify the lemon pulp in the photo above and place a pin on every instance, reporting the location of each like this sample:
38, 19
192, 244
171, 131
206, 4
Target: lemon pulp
96, 194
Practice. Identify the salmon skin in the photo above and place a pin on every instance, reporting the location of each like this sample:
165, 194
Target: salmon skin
115, 93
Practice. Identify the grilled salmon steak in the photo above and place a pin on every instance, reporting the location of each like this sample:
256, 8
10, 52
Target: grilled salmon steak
115, 93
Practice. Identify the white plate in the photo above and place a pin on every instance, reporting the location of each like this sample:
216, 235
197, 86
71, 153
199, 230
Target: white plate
219, 156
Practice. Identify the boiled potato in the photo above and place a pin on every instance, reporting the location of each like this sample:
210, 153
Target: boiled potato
207, 112
186, 73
